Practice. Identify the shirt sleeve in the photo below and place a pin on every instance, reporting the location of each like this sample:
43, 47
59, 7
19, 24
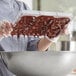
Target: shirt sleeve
22, 6
33, 43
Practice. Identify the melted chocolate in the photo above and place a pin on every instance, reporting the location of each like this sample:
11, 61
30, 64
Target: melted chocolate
40, 26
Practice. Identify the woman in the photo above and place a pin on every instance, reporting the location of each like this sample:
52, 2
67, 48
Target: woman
9, 10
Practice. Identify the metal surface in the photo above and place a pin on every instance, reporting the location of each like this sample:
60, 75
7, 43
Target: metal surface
42, 63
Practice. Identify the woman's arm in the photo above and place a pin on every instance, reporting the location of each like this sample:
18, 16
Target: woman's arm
43, 44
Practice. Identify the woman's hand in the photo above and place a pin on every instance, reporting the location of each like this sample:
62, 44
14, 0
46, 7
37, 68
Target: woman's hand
63, 32
5, 29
